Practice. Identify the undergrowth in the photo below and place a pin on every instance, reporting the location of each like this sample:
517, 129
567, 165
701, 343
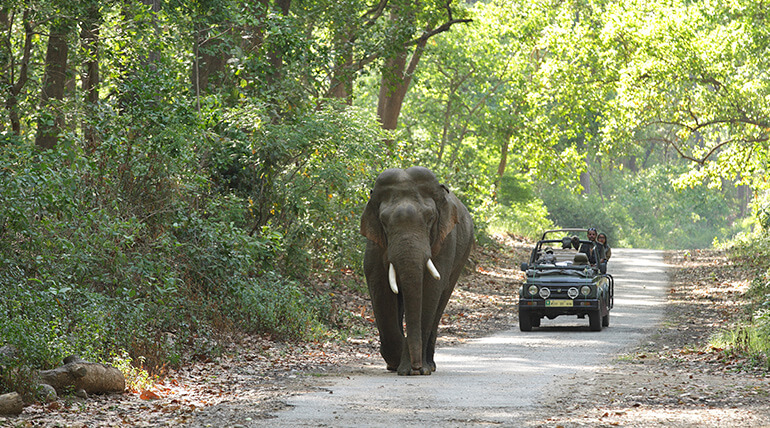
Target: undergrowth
140, 249
750, 337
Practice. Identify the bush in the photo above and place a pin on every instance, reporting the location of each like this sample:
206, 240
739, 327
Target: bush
270, 303
134, 254
305, 178
751, 338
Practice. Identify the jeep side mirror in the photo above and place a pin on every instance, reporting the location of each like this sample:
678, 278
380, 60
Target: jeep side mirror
603, 267
524, 267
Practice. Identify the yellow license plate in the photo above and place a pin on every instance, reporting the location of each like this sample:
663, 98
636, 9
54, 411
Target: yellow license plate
559, 303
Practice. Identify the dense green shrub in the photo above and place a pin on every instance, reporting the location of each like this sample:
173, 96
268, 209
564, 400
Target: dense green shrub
527, 219
306, 178
271, 303
750, 337
138, 248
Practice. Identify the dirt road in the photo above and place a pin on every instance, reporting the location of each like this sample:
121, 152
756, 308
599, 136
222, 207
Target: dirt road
654, 365
497, 380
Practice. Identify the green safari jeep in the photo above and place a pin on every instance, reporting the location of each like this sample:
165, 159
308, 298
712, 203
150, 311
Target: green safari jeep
560, 281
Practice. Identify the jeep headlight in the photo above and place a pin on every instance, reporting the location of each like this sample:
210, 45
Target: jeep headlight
585, 290
572, 292
545, 292
532, 290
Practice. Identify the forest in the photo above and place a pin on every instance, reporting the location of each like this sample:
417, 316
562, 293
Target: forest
171, 171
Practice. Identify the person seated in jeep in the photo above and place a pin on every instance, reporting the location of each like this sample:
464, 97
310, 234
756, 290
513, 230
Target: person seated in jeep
601, 239
594, 252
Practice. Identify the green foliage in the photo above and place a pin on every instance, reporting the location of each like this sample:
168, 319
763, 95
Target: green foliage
519, 210
528, 219
643, 211
305, 179
203, 205
137, 378
189, 210
750, 335
271, 303
134, 253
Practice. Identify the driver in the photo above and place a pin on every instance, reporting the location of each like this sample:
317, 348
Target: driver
593, 251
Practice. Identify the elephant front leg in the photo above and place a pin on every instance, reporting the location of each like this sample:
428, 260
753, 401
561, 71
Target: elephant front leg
406, 367
392, 338
431, 339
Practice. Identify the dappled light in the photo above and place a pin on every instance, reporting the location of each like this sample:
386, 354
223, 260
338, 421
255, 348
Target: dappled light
182, 187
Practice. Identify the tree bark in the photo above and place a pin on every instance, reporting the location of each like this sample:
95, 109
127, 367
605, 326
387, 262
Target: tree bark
210, 59
275, 57
9, 67
503, 164
89, 39
341, 84
154, 55
51, 120
396, 77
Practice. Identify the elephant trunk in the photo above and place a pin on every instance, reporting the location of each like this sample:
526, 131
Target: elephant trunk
410, 271
411, 280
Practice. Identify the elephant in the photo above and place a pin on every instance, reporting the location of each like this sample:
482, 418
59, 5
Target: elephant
419, 238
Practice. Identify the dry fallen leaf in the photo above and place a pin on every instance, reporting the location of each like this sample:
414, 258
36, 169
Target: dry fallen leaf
148, 395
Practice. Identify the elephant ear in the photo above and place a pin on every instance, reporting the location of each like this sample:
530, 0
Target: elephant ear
447, 218
371, 226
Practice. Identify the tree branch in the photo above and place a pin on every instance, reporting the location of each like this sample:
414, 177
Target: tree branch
702, 161
376, 12
379, 9
430, 33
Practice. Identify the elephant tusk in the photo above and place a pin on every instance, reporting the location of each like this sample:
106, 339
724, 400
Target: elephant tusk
392, 279
433, 271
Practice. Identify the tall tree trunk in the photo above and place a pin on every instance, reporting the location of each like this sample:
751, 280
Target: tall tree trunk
396, 73
274, 56
89, 39
585, 181
210, 59
145, 63
154, 56
51, 120
744, 196
341, 85
503, 164
396, 77
585, 176
9, 64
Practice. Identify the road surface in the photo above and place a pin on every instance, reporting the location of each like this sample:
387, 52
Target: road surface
496, 380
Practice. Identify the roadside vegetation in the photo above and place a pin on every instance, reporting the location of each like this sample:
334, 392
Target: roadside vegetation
175, 175
749, 336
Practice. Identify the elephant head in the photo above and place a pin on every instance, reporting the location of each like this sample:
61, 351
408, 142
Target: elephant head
419, 233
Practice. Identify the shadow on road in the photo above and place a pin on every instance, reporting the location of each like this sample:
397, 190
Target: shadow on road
498, 379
